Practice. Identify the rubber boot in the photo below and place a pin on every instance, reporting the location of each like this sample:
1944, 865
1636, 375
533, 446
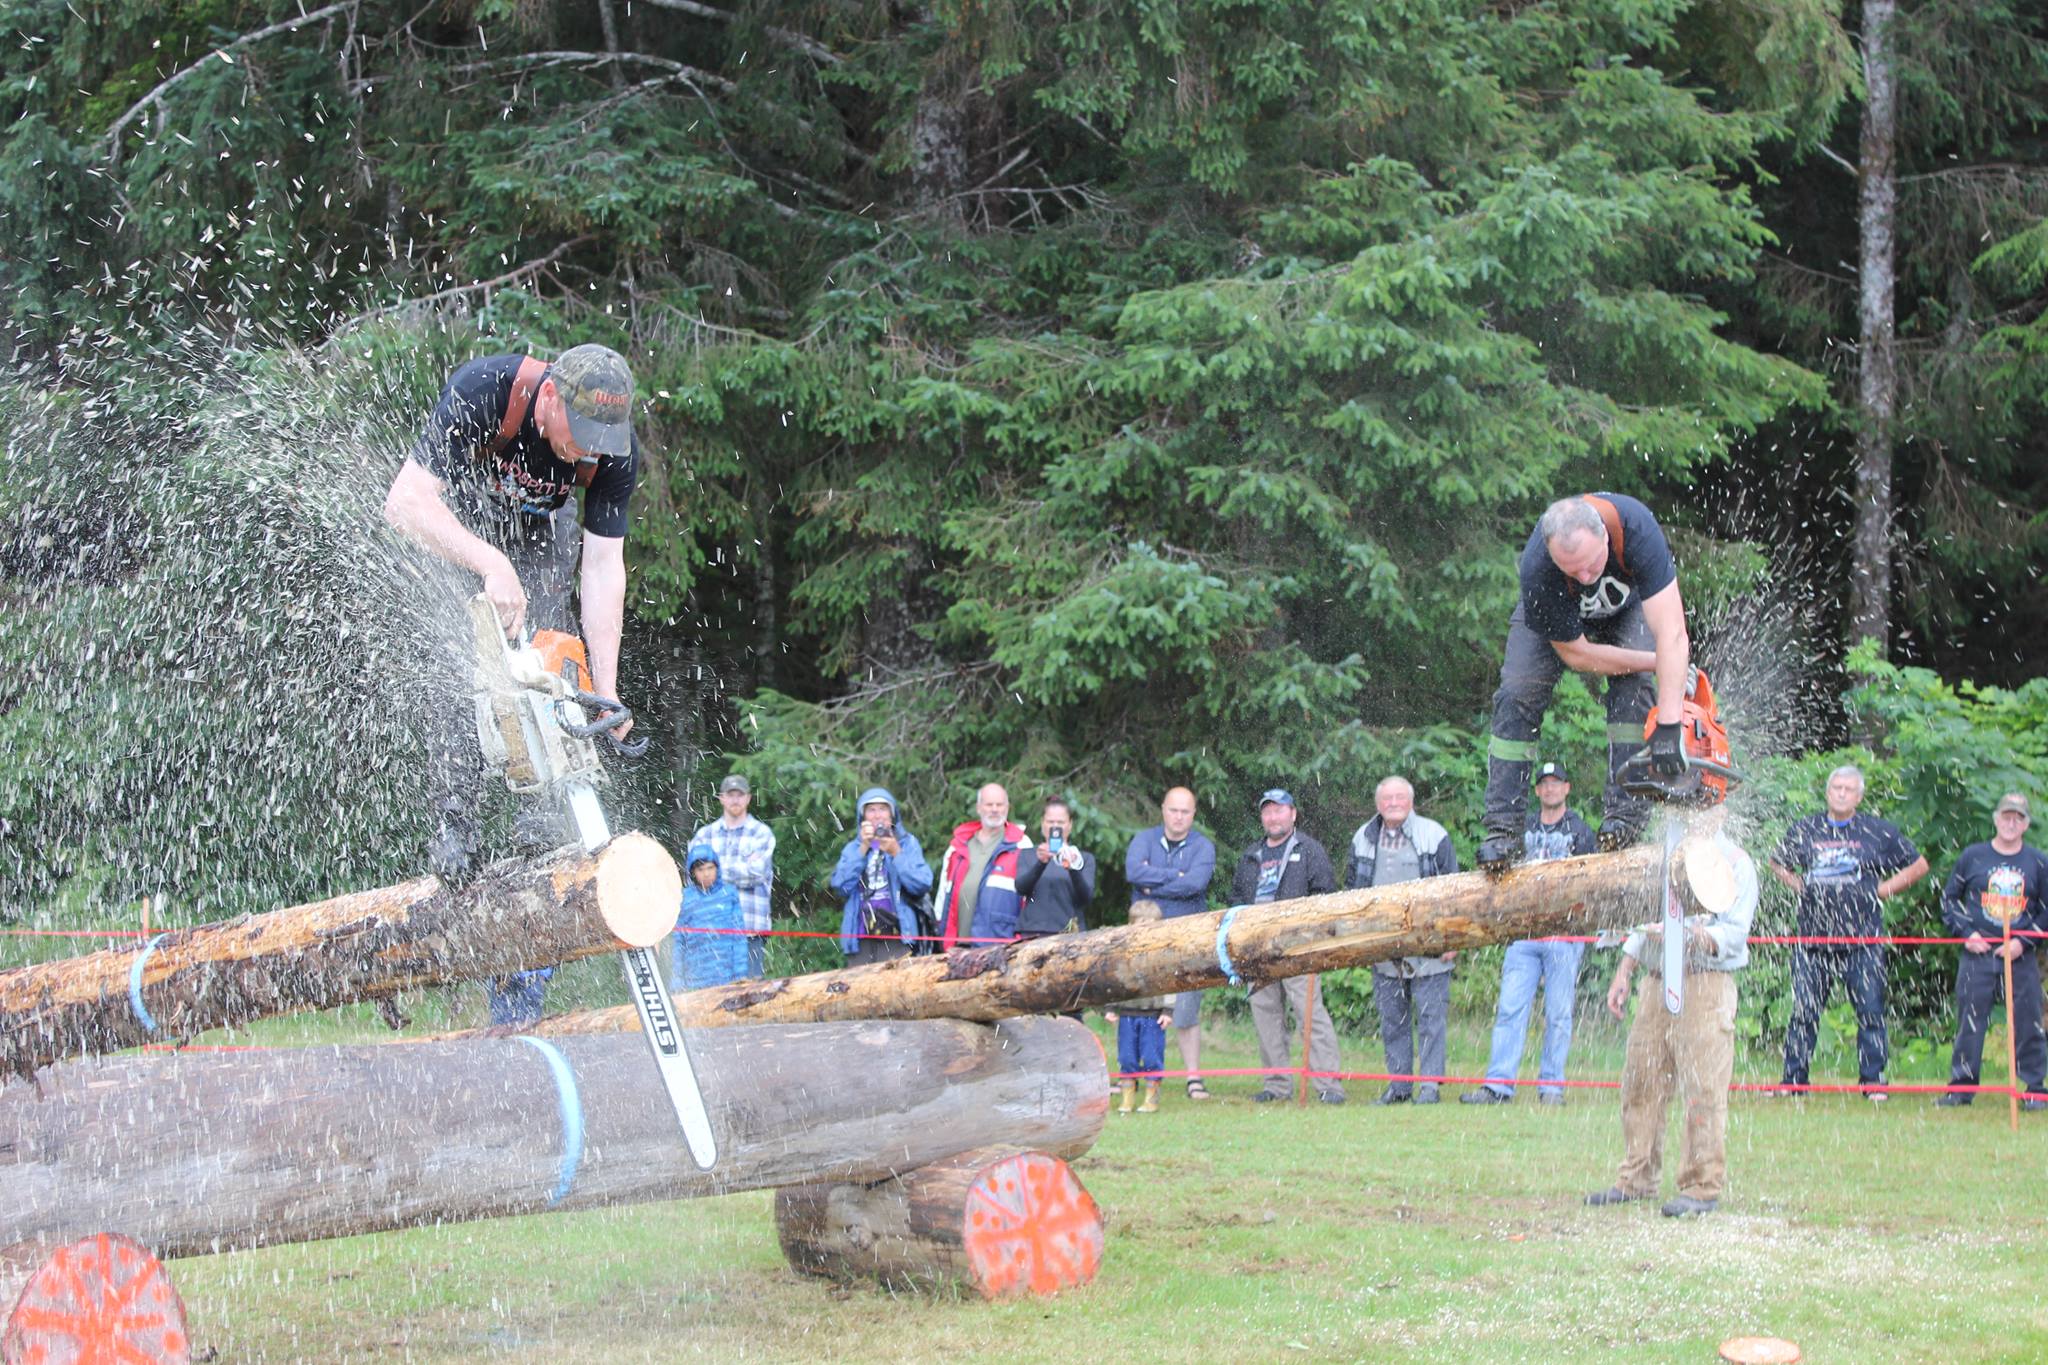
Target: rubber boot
451, 850
1151, 1104
1130, 1089
1507, 803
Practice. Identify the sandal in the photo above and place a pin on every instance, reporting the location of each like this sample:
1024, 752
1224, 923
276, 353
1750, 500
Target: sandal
1196, 1090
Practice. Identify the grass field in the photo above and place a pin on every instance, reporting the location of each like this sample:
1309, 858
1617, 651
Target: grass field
1864, 1233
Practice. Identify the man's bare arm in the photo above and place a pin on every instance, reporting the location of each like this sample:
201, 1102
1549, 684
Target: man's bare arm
604, 612
1792, 880
1665, 613
414, 508
1583, 656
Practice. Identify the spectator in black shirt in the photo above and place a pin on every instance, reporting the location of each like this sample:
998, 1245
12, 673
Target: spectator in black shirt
1995, 887
1842, 864
1056, 879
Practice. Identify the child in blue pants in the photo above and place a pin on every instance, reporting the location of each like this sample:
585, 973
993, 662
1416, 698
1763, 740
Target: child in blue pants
1141, 1036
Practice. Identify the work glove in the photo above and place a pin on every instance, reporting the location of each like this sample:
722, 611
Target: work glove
1667, 751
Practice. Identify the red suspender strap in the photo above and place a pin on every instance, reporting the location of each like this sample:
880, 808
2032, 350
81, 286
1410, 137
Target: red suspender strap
1610, 517
525, 384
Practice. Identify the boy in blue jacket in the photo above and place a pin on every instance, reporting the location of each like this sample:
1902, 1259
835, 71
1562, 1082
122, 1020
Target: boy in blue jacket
710, 944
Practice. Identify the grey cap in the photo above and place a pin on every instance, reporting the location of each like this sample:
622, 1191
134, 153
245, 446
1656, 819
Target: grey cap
1552, 769
596, 386
734, 783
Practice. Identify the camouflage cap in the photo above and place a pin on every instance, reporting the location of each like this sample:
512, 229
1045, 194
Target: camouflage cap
2012, 801
597, 388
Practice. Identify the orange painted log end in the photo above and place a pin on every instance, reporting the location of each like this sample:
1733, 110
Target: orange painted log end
1030, 1228
101, 1298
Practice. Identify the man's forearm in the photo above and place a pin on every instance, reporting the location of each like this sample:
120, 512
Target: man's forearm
1583, 656
604, 616
415, 510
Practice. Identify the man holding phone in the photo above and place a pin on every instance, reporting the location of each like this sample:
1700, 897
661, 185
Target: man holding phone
1056, 879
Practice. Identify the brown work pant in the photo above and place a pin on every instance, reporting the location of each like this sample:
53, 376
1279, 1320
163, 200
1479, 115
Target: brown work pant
1693, 1052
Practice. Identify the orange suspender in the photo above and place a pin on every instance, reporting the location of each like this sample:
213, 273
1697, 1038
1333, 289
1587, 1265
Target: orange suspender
1610, 517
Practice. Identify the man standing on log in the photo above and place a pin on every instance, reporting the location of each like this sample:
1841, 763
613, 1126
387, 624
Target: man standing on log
1554, 831
1996, 884
1599, 595
1693, 1053
978, 898
1843, 865
1413, 993
486, 488
746, 854
1171, 864
1282, 866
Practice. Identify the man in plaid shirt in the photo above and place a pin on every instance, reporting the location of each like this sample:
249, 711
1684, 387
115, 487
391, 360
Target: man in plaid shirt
746, 855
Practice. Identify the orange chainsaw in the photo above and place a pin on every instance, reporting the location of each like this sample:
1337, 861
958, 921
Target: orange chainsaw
1709, 773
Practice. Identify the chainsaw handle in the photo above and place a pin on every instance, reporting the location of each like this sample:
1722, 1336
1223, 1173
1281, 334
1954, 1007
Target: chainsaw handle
628, 748
610, 716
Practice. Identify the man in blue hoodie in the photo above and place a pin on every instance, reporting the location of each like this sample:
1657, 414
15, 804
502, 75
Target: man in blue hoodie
710, 944
882, 874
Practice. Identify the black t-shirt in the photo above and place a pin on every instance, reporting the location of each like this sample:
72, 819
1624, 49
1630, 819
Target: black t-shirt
526, 476
1987, 886
1558, 609
1842, 865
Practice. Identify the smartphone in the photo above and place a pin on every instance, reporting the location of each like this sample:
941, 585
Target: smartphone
1056, 840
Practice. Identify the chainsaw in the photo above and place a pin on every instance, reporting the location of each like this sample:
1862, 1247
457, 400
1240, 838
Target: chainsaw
535, 725
1708, 777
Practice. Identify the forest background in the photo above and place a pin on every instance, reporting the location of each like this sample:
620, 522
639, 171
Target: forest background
1085, 397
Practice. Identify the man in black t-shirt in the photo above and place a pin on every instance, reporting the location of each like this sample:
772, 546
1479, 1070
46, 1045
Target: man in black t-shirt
487, 488
1599, 596
1842, 864
1995, 885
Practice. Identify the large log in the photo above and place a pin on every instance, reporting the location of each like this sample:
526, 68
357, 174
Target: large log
191, 1153
363, 946
999, 1221
1265, 943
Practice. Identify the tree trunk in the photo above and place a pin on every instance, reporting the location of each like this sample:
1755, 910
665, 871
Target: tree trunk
191, 1153
1870, 573
1266, 943
1000, 1221
363, 946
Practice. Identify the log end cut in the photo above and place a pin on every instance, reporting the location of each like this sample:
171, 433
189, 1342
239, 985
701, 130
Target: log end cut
639, 890
1006, 1223
101, 1298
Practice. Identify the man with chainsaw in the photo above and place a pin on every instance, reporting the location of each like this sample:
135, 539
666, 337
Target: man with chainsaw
487, 488
1599, 595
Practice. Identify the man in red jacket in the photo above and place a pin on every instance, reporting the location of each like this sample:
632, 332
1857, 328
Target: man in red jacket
978, 888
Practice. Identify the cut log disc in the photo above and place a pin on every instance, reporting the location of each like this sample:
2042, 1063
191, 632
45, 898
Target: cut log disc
100, 1299
1031, 1228
1759, 1351
639, 889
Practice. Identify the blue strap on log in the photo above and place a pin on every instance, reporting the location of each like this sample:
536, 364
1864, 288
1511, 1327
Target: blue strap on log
142, 1014
570, 1104
1223, 946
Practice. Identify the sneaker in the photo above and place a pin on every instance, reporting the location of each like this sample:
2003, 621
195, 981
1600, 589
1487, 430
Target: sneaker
1876, 1096
1685, 1206
1485, 1094
1331, 1097
1392, 1096
2033, 1103
1953, 1100
1267, 1097
1425, 1094
1550, 1097
1499, 852
1613, 1194
1781, 1092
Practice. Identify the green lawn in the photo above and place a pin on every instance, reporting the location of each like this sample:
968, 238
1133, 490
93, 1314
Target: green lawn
1864, 1233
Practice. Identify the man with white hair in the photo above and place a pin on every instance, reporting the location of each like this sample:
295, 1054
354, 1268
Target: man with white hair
1599, 596
1413, 994
977, 898
1842, 864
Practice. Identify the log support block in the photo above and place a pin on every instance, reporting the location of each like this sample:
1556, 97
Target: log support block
1004, 1222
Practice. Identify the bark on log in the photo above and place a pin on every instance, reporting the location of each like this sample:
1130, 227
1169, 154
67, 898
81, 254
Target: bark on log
1265, 942
1002, 1221
191, 1153
363, 946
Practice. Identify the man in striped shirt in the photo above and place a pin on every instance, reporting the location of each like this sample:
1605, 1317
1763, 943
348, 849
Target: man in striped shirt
746, 855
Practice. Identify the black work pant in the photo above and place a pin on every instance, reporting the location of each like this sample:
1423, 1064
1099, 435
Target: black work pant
1860, 968
1529, 674
1980, 981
